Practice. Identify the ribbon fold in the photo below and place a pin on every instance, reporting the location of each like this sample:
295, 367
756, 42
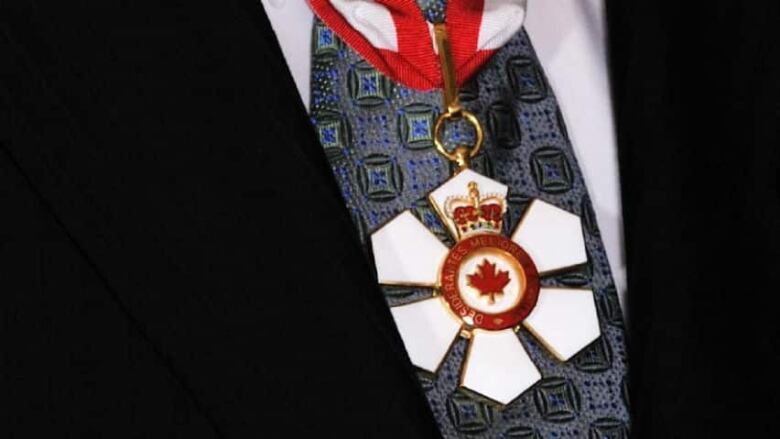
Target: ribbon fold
395, 38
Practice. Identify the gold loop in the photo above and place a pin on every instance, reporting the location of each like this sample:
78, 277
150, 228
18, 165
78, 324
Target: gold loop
461, 154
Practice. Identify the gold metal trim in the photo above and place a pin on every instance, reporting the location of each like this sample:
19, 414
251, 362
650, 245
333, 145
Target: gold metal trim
510, 260
394, 283
561, 270
450, 89
544, 343
462, 154
522, 219
464, 366
553, 271
442, 216
448, 223
454, 337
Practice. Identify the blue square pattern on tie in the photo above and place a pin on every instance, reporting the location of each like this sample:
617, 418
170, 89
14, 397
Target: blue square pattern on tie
386, 163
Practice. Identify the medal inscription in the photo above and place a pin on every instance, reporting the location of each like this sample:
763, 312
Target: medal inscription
489, 281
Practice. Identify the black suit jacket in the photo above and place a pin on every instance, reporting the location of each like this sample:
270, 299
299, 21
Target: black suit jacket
176, 261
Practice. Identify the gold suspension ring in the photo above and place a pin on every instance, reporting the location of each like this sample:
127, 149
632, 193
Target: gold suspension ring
461, 154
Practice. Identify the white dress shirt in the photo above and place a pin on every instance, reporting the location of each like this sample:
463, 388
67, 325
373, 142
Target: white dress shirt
569, 38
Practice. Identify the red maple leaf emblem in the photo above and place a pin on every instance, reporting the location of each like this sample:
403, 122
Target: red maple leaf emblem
488, 281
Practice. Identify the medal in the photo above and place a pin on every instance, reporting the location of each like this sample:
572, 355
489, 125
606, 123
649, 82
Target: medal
487, 286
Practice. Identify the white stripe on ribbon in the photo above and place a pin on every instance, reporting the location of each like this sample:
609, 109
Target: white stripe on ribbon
433, 37
479, 28
501, 19
372, 20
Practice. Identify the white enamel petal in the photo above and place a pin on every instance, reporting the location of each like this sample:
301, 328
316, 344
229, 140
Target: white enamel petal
407, 253
457, 186
498, 366
564, 320
551, 236
427, 329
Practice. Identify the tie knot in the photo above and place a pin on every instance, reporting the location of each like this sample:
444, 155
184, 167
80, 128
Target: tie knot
433, 10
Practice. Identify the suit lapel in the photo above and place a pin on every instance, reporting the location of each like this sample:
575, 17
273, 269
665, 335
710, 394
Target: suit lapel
178, 157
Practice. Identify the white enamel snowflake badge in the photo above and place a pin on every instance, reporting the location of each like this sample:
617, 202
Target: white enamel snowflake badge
487, 285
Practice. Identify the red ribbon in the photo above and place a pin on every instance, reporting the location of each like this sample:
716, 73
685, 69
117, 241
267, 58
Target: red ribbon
395, 38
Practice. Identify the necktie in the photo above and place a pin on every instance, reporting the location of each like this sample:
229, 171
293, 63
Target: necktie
378, 137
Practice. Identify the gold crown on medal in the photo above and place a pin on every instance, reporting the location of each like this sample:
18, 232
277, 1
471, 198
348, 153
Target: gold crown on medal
475, 213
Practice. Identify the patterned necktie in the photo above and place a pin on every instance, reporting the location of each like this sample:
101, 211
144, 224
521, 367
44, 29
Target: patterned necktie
378, 138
